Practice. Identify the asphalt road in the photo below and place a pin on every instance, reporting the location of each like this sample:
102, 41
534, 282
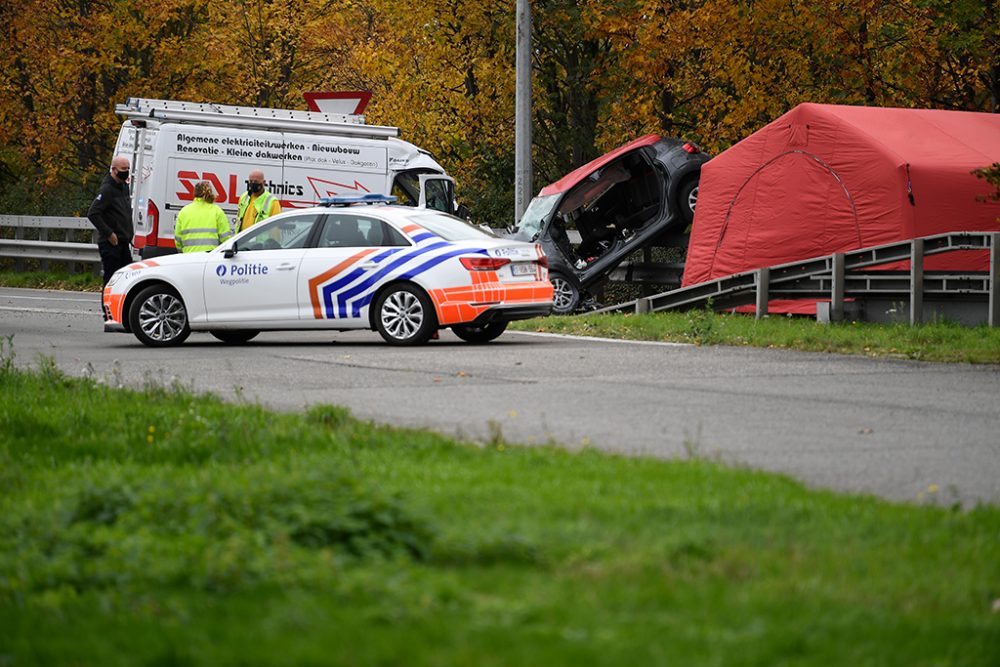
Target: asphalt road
893, 428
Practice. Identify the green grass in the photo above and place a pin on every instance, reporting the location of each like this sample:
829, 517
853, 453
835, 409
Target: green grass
60, 280
940, 341
166, 528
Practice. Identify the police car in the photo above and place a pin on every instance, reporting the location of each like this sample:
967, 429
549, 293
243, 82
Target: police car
351, 263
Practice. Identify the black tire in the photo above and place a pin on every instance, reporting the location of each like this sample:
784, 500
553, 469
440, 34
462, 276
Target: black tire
484, 334
404, 315
566, 297
687, 198
158, 317
234, 336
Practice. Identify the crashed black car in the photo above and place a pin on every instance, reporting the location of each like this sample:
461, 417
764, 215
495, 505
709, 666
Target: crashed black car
590, 220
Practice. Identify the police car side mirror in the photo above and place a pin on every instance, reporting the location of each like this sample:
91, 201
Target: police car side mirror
230, 252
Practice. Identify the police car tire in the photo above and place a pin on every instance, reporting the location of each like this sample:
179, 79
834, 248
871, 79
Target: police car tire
159, 302
234, 336
483, 334
404, 315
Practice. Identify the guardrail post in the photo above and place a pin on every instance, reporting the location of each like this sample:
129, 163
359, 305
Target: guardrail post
837, 288
642, 306
43, 235
763, 287
19, 236
916, 281
993, 316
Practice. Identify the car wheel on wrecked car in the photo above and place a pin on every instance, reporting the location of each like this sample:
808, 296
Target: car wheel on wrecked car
687, 197
484, 334
565, 295
158, 317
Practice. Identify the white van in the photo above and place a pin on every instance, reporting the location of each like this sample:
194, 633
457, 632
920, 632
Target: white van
305, 156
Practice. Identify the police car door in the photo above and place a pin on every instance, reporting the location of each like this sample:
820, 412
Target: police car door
352, 258
259, 282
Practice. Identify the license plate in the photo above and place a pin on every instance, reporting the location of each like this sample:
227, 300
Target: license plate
523, 269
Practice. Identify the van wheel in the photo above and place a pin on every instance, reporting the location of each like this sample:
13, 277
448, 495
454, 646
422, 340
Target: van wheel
234, 336
483, 334
404, 315
565, 295
158, 317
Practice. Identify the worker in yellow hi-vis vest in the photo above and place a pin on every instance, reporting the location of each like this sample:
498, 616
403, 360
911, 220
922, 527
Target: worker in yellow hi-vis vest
256, 204
201, 225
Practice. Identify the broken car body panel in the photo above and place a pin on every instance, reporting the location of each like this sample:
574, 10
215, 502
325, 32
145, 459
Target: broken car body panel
590, 220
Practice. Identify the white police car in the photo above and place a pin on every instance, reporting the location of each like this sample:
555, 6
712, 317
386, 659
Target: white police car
403, 271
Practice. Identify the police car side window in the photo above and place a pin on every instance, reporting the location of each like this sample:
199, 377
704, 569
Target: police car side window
284, 234
347, 230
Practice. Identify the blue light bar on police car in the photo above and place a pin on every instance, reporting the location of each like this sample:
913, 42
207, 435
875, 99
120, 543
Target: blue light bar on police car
372, 198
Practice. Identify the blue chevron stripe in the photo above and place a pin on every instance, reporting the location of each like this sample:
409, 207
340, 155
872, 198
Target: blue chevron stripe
416, 271
330, 288
377, 275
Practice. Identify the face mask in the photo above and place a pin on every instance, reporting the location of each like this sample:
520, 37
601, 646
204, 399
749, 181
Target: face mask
123, 175
256, 187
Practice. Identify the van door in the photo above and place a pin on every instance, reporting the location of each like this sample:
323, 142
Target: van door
437, 193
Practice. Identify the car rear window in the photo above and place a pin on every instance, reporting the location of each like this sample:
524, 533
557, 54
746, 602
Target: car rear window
451, 228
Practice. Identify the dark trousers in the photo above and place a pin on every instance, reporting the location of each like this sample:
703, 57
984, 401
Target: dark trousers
114, 257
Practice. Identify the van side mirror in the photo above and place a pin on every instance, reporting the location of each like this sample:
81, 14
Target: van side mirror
463, 212
231, 251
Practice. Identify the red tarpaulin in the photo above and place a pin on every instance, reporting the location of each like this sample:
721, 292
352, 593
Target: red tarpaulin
827, 178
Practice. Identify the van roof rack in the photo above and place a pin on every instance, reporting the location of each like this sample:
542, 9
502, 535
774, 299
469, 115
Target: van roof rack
290, 120
373, 198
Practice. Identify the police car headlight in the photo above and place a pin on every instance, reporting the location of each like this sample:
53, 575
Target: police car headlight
115, 277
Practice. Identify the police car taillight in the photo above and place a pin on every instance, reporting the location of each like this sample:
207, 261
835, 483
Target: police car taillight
691, 148
484, 263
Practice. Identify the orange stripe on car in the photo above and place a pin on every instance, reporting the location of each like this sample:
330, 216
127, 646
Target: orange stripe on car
315, 282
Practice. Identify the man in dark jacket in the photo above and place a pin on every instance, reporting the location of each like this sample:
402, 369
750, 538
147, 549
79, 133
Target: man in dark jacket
111, 214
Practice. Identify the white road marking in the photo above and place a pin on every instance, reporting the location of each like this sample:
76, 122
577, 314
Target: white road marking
46, 298
603, 340
47, 311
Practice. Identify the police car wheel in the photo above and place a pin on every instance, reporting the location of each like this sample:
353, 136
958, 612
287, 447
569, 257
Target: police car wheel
404, 315
234, 336
483, 334
158, 317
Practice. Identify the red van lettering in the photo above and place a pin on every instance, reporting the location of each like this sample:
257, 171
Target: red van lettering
187, 179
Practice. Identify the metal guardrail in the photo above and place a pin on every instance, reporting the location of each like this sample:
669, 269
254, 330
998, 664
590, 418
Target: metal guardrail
48, 247
836, 277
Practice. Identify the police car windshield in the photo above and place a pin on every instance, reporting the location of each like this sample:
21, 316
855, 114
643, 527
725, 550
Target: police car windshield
451, 228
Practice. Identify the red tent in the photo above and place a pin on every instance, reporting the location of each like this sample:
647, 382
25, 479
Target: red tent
826, 178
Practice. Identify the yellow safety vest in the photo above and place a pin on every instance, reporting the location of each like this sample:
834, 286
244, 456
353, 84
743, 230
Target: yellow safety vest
200, 227
263, 203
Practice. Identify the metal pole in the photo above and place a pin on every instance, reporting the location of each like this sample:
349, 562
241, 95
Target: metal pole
916, 281
522, 112
993, 310
837, 288
763, 288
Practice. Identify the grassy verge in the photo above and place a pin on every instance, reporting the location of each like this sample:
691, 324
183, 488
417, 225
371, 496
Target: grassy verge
941, 341
61, 280
163, 527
